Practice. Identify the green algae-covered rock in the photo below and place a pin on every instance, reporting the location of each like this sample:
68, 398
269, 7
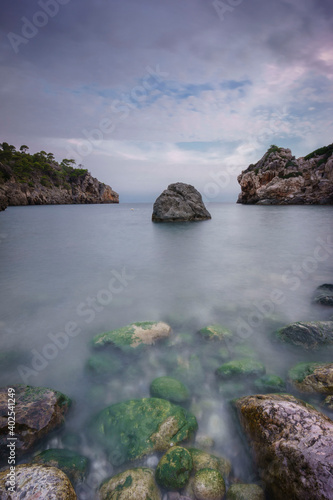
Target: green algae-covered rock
216, 332
270, 383
169, 388
245, 492
310, 335
134, 428
132, 484
174, 469
73, 465
208, 484
37, 482
241, 368
312, 377
38, 411
103, 363
204, 460
134, 335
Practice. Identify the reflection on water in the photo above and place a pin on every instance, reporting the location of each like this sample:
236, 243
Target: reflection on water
71, 272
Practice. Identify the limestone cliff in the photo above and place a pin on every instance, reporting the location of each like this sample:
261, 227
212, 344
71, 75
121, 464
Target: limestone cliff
39, 180
281, 179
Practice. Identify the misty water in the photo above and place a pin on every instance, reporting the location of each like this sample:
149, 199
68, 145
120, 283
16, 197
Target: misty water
250, 268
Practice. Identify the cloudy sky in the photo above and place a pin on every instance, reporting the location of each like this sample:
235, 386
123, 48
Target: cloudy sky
148, 92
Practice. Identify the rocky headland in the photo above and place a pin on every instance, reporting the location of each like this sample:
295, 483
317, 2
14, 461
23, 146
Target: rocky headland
38, 179
281, 179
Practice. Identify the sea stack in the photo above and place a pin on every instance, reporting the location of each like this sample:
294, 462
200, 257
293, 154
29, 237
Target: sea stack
178, 203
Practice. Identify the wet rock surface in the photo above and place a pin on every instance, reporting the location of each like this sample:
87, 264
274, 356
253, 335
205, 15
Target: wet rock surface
310, 335
137, 483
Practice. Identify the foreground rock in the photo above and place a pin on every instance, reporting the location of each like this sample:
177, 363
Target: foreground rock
138, 427
38, 411
292, 444
174, 469
324, 295
134, 335
37, 481
312, 377
73, 465
245, 492
204, 460
180, 202
310, 335
138, 484
281, 179
208, 484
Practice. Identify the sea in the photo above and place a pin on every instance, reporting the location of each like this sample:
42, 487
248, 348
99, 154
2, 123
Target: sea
70, 272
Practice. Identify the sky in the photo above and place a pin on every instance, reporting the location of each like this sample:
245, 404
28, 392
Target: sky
144, 93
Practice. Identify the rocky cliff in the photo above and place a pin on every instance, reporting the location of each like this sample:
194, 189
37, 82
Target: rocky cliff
39, 180
281, 179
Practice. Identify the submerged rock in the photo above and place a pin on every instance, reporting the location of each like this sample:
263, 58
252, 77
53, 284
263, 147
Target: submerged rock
292, 444
324, 295
73, 465
208, 484
204, 460
137, 483
38, 411
37, 481
216, 332
310, 335
138, 427
180, 202
134, 335
241, 368
270, 383
245, 492
174, 469
312, 377
103, 363
169, 388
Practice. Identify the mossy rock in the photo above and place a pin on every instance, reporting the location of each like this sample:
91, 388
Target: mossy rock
174, 469
309, 336
103, 364
216, 332
245, 492
203, 460
241, 368
132, 484
134, 335
169, 388
208, 484
134, 428
270, 383
312, 377
73, 465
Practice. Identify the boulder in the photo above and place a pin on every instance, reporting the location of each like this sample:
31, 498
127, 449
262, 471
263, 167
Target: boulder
241, 368
204, 460
137, 483
311, 335
208, 484
138, 427
174, 469
180, 202
169, 388
292, 444
245, 492
38, 411
312, 377
324, 295
37, 481
134, 335
73, 465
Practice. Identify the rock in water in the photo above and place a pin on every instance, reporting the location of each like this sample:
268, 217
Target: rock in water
134, 428
37, 481
292, 444
180, 202
324, 295
311, 335
312, 377
138, 484
38, 411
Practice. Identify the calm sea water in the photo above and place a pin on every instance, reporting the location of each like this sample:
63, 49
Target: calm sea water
250, 268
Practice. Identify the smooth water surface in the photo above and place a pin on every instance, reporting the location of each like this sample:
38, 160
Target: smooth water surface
86, 269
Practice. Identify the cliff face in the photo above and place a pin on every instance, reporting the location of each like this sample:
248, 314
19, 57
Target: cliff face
76, 187
281, 179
